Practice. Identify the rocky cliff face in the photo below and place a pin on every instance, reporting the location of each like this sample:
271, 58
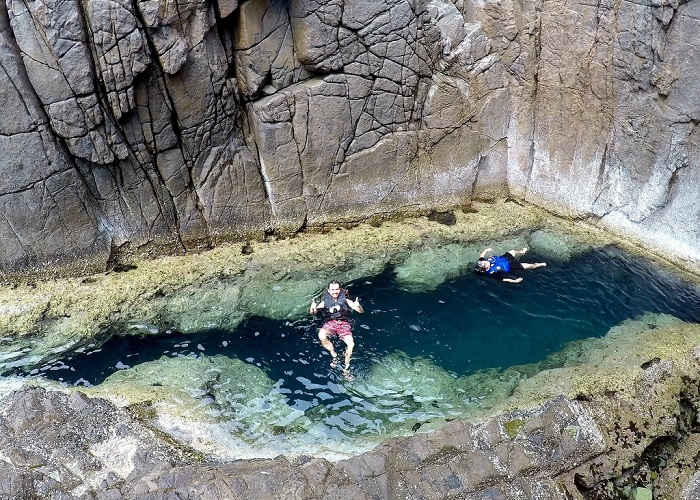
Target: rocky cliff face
632, 442
128, 124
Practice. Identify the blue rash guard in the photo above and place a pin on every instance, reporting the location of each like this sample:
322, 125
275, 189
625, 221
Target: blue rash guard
499, 264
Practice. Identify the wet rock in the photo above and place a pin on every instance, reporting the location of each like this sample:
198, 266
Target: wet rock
446, 218
650, 363
518, 453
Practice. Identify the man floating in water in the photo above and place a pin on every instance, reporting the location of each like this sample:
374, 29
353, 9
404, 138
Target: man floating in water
498, 266
337, 306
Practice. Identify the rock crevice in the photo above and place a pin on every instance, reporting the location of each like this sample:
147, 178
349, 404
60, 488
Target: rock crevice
189, 123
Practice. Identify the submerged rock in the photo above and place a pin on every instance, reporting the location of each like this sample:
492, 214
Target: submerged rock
221, 288
427, 268
513, 436
55, 443
223, 407
557, 246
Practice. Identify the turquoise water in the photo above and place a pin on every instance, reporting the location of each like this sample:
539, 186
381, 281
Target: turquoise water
410, 346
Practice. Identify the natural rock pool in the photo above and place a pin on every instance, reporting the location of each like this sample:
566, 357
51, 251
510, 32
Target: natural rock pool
430, 347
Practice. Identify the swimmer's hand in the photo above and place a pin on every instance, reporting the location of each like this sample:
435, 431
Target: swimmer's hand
486, 250
355, 305
313, 307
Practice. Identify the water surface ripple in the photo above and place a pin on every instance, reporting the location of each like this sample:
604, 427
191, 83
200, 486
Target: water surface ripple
416, 353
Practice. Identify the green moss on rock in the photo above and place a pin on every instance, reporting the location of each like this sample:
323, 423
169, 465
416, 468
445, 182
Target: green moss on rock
512, 427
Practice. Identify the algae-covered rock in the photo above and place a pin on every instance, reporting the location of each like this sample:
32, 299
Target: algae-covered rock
203, 387
420, 388
285, 299
221, 288
408, 391
21, 316
195, 308
223, 407
512, 427
556, 245
427, 268
609, 362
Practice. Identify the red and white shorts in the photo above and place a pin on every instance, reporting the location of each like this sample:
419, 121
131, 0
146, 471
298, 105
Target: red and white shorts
337, 327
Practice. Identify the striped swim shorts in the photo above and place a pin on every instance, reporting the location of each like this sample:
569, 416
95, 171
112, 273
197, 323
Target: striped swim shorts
337, 327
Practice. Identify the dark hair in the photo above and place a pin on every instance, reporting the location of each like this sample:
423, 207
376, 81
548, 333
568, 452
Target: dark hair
342, 290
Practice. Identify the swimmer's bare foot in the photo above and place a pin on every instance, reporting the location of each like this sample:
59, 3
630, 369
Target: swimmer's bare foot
518, 253
348, 376
334, 361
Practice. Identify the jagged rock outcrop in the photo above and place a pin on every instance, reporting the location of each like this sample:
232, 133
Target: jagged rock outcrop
182, 123
602, 445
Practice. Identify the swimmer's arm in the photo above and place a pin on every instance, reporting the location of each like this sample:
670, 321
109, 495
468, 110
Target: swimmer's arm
355, 305
315, 306
483, 254
512, 280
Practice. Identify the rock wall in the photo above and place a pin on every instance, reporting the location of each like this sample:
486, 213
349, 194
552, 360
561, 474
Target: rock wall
632, 442
182, 123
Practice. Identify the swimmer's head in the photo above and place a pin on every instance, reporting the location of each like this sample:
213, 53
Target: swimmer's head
481, 266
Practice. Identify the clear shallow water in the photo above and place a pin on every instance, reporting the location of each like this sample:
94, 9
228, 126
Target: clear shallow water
413, 349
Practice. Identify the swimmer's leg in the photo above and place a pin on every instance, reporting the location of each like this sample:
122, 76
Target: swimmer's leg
349, 346
328, 345
518, 253
534, 265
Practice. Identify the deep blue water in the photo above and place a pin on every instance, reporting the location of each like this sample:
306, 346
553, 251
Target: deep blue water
468, 324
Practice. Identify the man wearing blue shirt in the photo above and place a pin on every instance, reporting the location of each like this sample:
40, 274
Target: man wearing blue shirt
499, 266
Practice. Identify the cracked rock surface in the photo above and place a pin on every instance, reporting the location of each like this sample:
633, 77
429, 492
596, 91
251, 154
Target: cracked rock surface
127, 126
638, 430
